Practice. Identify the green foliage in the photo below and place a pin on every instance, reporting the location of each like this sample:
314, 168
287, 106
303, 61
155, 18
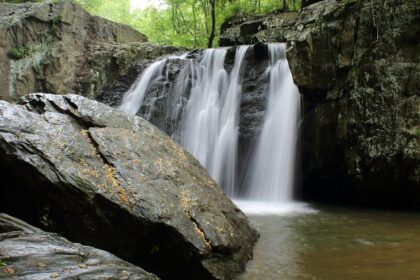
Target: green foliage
55, 21
184, 23
2, 263
118, 11
18, 1
18, 53
46, 60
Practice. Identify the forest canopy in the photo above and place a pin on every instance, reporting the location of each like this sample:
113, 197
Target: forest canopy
186, 23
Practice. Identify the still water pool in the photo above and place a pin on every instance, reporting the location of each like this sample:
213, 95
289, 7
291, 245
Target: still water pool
334, 243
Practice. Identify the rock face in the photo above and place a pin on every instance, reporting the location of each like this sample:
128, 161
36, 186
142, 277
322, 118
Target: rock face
103, 178
56, 46
30, 253
356, 64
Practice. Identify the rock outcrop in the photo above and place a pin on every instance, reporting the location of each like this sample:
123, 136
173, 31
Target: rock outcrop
27, 252
357, 65
105, 179
56, 46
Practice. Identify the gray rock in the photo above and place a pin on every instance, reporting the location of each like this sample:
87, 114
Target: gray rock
29, 253
57, 46
356, 64
103, 178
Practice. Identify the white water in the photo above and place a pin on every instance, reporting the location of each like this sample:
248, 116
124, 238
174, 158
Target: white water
207, 100
259, 208
271, 172
134, 97
210, 123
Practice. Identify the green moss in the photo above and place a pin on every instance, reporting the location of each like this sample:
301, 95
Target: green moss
46, 60
55, 21
18, 53
414, 131
2, 263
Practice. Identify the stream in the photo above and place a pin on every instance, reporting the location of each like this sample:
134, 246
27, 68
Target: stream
336, 243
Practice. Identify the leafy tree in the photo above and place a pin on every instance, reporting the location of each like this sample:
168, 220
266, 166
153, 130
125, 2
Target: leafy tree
188, 23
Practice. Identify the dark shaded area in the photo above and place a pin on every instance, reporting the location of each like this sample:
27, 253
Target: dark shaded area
28, 252
97, 223
309, 2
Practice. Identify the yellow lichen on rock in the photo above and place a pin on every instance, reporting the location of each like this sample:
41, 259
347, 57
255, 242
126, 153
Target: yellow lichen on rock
185, 201
91, 171
111, 176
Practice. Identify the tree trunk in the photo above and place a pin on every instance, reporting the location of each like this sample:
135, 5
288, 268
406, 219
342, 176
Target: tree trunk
213, 22
195, 24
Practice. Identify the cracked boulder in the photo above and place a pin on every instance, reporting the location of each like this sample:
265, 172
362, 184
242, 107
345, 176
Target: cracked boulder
28, 253
106, 179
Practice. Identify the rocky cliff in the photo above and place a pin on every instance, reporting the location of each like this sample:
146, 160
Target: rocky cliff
56, 46
356, 64
102, 178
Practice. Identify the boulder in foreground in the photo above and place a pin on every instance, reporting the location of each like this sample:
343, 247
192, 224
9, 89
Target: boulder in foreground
103, 178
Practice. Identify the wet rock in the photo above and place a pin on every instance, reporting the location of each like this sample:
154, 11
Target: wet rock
27, 252
105, 179
356, 64
126, 62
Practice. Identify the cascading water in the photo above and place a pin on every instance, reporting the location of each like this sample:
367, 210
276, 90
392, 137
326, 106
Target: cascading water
204, 101
133, 98
271, 172
210, 126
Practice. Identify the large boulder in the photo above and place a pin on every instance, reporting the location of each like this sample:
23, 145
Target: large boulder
30, 253
57, 46
106, 179
357, 66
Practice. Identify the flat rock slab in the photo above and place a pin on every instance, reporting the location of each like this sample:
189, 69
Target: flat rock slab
103, 178
27, 252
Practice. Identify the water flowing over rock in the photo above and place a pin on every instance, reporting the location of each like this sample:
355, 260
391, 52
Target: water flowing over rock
113, 181
356, 64
204, 111
28, 253
210, 125
272, 169
56, 46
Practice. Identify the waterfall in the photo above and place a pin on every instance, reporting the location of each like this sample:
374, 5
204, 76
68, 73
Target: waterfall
271, 172
210, 124
203, 109
133, 98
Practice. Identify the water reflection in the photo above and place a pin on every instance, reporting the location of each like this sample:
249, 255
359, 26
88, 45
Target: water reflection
337, 244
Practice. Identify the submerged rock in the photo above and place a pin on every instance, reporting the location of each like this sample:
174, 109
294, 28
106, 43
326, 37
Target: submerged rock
103, 178
27, 252
356, 64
